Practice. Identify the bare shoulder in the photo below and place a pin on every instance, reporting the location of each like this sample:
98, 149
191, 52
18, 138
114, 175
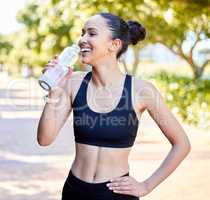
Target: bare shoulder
145, 92
75, 78
75, 81
143, 87
78, 75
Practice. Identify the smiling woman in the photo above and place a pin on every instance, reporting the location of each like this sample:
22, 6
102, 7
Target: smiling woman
106, 122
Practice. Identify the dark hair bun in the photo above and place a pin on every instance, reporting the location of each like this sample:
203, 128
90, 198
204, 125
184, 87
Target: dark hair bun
137, 32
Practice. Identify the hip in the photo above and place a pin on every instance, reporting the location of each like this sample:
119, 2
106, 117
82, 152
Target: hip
76, 189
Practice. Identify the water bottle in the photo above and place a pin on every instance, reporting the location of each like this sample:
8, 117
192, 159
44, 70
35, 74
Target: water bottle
51, 77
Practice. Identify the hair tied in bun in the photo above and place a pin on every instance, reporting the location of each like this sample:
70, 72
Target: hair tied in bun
137, 32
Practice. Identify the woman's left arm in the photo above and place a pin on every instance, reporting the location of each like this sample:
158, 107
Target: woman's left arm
173, 131
152, 101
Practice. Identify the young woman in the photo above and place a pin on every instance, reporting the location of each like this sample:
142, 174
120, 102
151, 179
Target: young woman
107, 106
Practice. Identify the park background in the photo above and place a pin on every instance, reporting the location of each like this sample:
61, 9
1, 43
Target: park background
174, 56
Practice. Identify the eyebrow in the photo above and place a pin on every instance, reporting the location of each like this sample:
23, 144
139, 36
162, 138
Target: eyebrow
90, 29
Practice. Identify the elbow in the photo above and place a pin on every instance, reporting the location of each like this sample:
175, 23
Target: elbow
43, 138
186, 147
43, 141
186, 150
43, 144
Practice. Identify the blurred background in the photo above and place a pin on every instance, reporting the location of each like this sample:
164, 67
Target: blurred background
175, 56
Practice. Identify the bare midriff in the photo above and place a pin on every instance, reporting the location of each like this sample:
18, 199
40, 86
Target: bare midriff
95, 164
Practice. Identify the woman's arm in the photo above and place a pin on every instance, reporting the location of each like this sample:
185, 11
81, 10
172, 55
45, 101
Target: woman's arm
173, 131
54, 115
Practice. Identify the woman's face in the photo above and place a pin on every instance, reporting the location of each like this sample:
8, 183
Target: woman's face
96, 44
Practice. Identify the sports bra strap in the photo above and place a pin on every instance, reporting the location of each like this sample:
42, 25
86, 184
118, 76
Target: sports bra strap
80, 98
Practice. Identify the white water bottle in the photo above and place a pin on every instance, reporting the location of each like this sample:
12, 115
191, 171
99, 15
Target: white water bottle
51, 77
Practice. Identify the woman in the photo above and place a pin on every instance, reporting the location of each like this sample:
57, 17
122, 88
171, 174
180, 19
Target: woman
107, 105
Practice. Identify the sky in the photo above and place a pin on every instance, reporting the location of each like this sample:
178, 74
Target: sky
8, 11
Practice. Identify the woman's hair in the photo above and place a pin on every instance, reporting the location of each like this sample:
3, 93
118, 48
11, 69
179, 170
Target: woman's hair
129, 33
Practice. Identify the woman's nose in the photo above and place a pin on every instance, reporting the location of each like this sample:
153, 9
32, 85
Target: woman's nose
83, 39
82, 43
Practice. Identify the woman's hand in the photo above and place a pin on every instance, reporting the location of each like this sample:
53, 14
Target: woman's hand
128, 185
52, 63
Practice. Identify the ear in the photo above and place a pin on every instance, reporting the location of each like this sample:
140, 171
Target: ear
115, 45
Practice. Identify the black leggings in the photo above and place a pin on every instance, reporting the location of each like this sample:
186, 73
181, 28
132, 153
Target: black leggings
77, 189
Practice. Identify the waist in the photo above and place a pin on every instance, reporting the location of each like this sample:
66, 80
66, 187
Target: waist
75, 181
96, 172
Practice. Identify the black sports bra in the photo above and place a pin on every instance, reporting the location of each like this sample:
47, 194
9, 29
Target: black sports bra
117, 128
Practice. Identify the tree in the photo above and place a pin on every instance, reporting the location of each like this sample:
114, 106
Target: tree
167, 22
5, 48
51, 25
185, 20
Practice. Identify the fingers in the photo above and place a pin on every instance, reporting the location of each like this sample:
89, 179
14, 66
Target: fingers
70, 71
124, 178
66, 77
51, 63
116, 184
45, 69
123, 187
120, 183
61, 82
126, 192
56, 57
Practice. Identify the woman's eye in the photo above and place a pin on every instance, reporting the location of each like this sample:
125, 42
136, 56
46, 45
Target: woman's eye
91, 34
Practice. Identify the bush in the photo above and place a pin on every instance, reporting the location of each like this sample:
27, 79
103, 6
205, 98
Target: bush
187, 98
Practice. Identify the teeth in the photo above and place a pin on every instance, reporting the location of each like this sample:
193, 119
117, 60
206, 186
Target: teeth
85, 49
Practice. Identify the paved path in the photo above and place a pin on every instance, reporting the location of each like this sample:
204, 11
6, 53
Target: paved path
31, 172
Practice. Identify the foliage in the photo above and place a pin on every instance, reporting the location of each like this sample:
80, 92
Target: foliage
5, 48
186, 21
52, 24
189, 99
171, 23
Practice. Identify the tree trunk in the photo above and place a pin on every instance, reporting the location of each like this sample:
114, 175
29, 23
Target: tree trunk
196, 70
136, 61
197, 73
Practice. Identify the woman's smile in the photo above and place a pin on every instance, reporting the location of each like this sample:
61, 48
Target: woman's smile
85, 51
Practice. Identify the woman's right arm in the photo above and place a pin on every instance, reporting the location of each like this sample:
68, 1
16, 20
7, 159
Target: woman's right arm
54, 115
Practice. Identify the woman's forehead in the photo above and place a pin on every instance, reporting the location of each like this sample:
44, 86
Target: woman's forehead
96, 22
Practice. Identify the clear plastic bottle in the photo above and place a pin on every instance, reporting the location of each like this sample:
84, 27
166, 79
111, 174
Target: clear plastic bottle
52, 76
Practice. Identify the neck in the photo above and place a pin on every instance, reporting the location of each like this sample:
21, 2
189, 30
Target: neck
106, 75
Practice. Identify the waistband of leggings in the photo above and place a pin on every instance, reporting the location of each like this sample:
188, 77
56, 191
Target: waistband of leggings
101, 186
